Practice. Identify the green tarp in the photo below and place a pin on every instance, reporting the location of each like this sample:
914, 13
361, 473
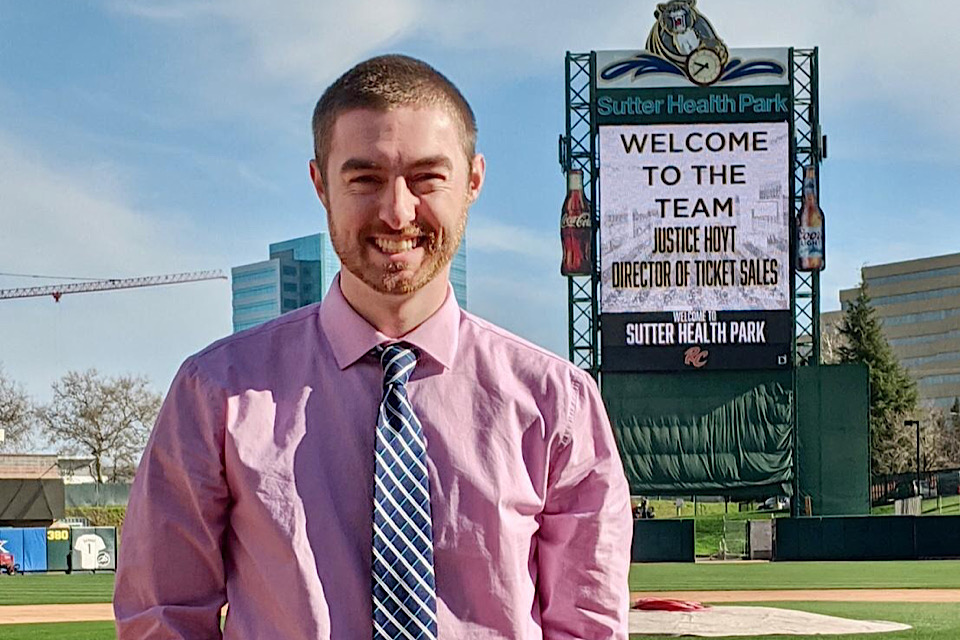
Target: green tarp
97, 495
704, 433
28, 503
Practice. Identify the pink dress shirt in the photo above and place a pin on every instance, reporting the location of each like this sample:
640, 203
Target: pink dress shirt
256, 487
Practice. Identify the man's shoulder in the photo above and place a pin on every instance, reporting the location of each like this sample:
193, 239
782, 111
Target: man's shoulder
259, 345
494, 341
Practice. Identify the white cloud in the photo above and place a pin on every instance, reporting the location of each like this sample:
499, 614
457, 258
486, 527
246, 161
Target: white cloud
529, 304
485, 235
294, 41
78, 221
170, 11
57, 216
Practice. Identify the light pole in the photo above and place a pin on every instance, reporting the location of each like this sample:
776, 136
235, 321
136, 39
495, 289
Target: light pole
916, 423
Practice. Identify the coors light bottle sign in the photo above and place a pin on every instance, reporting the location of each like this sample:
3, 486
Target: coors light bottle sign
810, 227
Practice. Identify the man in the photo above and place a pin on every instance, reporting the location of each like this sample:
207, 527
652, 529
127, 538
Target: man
382, 464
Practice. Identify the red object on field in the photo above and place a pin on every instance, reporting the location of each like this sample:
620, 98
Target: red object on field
666, 604
7, 564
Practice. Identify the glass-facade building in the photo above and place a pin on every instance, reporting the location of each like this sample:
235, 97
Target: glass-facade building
458, 273
918, 304
298, 273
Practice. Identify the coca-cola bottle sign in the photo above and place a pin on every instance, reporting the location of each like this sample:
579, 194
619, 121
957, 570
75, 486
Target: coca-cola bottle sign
576, 233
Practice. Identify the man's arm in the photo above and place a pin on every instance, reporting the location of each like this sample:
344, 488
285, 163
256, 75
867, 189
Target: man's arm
583, 545
170, 575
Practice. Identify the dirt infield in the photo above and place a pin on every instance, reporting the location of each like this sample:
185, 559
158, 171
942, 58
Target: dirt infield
31, 614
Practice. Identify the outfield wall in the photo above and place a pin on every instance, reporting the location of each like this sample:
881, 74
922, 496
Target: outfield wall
67, 549
867, 538
667, 540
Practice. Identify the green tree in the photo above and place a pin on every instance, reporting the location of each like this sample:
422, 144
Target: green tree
893, 392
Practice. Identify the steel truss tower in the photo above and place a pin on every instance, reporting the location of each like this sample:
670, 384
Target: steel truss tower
807, 150
578, 150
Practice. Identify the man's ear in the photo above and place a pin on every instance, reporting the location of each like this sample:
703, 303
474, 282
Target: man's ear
478, 169
318, 185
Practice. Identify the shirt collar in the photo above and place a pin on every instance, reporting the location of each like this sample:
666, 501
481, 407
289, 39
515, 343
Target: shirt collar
352, 337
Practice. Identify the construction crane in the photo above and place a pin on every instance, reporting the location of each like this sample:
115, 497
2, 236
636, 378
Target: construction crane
59, 290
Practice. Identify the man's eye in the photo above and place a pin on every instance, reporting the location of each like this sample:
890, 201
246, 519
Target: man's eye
365, 179
425, 182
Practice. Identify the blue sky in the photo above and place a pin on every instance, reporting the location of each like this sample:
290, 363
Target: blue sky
141, 138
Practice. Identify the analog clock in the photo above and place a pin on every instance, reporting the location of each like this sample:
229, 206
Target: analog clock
704, 66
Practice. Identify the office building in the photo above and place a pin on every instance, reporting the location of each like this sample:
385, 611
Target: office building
296, 274
458, 273
299, 272
918, 303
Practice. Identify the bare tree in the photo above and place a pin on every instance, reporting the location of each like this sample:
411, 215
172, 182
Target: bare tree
951, 428
106, 418
830, 342
932, 434
16, 414
940, 441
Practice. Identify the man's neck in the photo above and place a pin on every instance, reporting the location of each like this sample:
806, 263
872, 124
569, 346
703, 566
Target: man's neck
393, 315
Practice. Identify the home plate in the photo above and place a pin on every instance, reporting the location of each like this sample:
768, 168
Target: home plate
715, 622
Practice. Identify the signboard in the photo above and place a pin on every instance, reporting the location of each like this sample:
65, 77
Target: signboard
694, 201
58, 548
93, 549
749, 67
27, 546
694, 226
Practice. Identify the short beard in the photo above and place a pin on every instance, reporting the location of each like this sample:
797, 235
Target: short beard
439, 249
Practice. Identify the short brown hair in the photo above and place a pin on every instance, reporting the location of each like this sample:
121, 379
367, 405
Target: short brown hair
383, 83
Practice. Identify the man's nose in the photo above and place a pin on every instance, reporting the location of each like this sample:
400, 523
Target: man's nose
399, 208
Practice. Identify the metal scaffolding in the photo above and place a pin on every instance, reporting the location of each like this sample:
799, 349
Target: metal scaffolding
578, 150
805, 122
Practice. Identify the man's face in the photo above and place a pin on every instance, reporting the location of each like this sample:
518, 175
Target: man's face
397, 190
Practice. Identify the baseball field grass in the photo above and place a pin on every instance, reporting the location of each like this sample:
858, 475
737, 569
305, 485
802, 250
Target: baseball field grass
930, 621
59, 631
933, 574
724, 576
56, 588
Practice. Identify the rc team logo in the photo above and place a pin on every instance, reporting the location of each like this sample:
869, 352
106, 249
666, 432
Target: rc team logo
695, 357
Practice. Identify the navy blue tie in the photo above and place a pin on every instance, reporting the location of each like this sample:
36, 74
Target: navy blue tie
404, 592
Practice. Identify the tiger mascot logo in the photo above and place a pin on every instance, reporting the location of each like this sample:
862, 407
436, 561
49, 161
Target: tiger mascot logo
681, 33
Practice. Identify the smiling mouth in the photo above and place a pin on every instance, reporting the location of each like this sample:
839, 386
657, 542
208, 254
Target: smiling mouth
397, 245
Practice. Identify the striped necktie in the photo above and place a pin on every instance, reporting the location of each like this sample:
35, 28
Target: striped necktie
404, 593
